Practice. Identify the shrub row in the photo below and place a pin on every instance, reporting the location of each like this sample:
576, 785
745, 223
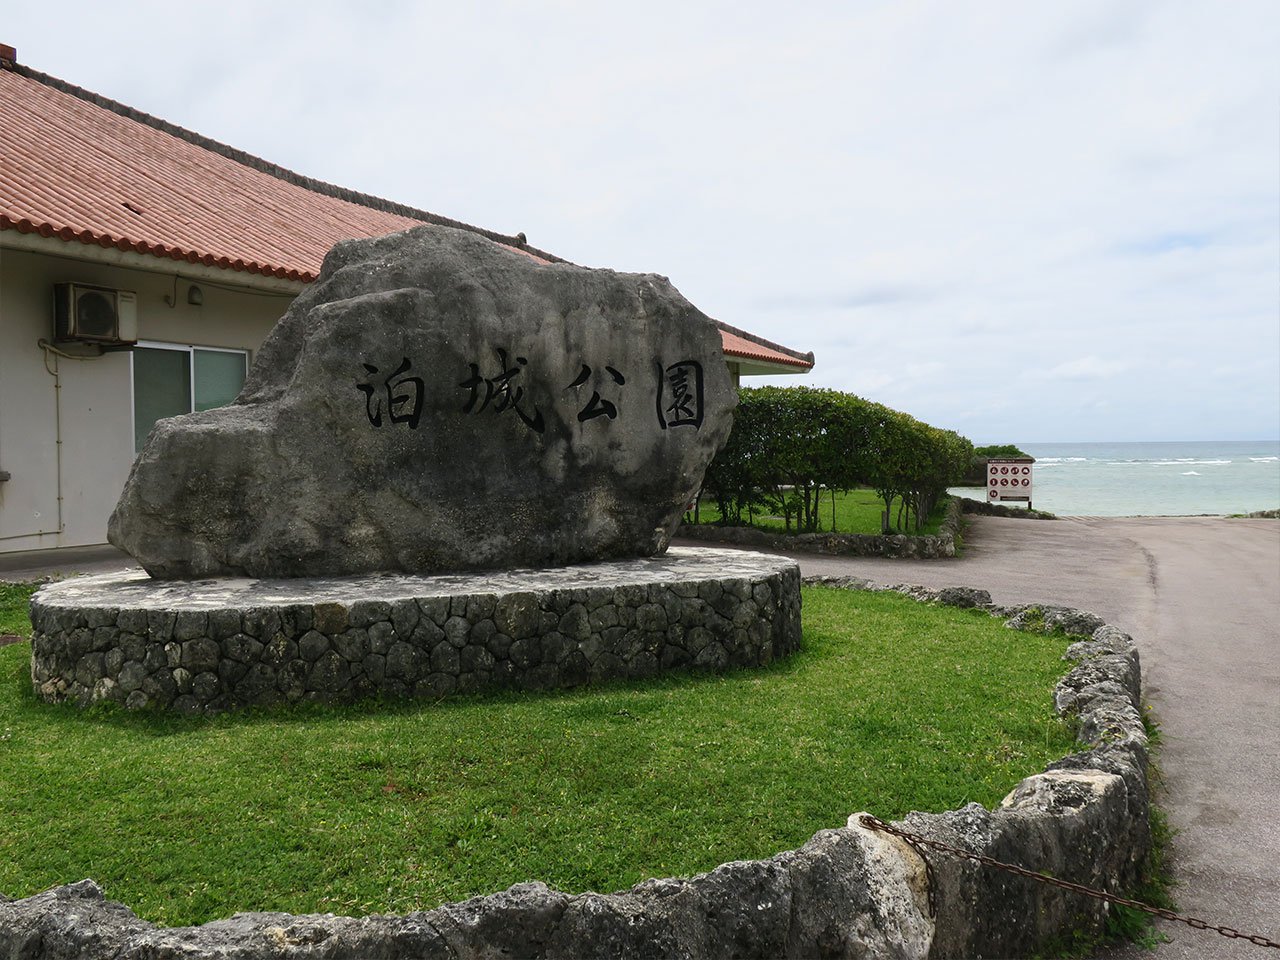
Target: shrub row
789, 445
976, 476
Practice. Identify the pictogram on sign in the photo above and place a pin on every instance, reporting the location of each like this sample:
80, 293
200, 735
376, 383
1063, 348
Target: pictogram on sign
1009, 480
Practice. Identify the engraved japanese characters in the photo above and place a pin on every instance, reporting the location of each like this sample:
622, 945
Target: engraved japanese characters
436, 402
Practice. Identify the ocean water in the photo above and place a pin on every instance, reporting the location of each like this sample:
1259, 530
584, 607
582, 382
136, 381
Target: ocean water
1153, 478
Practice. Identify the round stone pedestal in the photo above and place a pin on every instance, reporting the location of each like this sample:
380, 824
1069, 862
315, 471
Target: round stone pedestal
209, 645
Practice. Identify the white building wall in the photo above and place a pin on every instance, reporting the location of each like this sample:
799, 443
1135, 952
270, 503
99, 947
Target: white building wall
67, 441
89, 405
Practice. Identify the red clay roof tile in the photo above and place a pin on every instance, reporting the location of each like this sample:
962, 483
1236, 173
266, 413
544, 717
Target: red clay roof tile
738, 346
83, 168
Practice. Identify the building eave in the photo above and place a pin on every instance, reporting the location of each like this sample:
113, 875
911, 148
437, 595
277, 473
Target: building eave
75, 249
760, 368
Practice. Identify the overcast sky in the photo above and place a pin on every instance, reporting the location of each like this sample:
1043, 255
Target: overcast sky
1026, 221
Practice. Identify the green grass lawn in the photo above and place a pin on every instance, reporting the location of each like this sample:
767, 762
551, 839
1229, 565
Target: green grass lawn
856, 511
892, 706
13, 608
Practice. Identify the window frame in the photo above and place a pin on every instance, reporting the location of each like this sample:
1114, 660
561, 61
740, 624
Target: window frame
190, 350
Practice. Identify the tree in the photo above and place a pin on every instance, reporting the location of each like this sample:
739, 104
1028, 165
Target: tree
790, 444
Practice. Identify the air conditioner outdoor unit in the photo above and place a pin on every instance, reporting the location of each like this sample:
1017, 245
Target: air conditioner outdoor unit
95, 314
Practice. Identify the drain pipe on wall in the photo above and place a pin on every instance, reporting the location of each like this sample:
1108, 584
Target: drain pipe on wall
50, 350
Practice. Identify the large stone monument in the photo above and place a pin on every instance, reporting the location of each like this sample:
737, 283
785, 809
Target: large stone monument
439, 402
452, 466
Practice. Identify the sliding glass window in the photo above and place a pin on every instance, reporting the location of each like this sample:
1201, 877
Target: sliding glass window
170, 380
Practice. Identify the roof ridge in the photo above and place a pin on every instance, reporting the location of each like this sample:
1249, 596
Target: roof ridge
271, 169
755, 338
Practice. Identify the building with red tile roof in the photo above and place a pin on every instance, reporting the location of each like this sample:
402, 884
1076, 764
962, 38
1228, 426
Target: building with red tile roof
81, 167
210, 242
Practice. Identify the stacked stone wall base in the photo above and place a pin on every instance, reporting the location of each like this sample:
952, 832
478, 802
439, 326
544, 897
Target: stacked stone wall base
214, 645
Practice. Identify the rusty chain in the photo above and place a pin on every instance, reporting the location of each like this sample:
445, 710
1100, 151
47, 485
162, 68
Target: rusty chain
918, 843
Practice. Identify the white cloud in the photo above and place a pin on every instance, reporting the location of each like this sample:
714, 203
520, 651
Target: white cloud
998, 188
1086, 368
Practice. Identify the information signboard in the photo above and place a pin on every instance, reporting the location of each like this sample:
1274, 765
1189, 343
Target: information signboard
1009, 481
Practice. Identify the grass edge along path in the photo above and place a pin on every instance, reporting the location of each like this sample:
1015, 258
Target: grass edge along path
14, 620
857, 511
893, 705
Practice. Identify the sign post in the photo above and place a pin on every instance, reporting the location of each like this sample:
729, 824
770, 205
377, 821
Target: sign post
1009, 480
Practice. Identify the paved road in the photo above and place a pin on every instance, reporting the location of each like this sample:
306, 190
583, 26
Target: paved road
38, 564
1202, 598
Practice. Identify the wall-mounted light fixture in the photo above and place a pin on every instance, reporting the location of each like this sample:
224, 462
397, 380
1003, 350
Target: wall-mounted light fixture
195, 296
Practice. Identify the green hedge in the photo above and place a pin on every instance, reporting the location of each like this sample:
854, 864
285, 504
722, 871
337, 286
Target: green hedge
999, 450
790, 445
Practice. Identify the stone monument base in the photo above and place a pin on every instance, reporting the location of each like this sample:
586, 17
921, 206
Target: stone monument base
212, 645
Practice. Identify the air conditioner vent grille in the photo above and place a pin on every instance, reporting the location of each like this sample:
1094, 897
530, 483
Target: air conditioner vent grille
95, 314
